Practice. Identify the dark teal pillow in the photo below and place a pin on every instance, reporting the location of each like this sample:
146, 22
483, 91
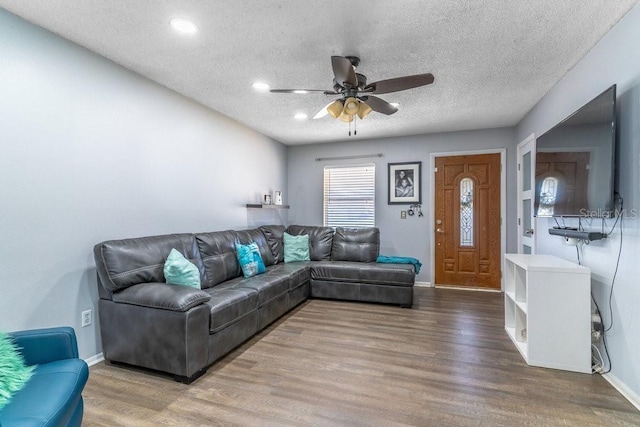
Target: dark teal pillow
180, 271
14, 374
296, 248
250, 259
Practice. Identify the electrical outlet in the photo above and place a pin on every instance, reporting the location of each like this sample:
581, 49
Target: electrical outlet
403, 214
86, 318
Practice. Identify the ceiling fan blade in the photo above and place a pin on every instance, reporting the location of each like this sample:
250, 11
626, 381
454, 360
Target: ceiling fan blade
400, 83
323, 111
343, 71
379, 105
300, 91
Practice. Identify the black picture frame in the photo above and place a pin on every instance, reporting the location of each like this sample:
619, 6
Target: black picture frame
405, 183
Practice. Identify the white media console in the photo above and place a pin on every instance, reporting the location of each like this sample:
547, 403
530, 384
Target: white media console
547, 311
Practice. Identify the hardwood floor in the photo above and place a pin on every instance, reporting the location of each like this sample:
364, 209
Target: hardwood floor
446, 362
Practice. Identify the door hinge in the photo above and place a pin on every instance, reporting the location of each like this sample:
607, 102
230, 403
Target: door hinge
435, 170
518, 221
518, 166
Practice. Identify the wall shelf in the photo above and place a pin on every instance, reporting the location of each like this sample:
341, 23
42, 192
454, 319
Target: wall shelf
575, 234
259, 206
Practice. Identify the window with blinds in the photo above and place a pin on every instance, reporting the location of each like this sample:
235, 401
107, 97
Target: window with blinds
349, 196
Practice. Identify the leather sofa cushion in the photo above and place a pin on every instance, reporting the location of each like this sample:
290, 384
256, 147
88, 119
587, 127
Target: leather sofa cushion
356, 244
274, 235
255, 235
298, 273
362, 272
268, 285
218, 252
128, 262
229, 305
162, 296
320, 240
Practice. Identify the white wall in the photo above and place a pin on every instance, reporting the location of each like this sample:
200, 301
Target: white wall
401, 237
90, 151
614, 60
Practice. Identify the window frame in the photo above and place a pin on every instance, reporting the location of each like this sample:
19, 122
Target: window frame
343, 196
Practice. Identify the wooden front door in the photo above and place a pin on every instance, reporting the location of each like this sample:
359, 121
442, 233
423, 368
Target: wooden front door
467, 221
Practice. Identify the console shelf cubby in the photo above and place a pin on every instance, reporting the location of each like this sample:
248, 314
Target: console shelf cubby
547, 311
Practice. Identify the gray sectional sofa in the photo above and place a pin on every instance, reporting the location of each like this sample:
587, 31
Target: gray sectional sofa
182, 330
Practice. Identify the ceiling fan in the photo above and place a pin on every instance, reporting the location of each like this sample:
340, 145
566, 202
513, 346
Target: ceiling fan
356, 96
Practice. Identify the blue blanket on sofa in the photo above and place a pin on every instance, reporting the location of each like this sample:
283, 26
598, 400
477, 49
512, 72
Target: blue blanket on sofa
400, 260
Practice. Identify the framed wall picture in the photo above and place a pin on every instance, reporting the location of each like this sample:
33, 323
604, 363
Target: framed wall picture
405, 183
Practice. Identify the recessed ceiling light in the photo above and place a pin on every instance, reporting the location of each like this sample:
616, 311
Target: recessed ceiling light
395, 104
300, 116
183, 26
300, 91
261, 86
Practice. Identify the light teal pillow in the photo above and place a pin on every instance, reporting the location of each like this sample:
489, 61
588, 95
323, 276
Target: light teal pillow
180, 271
250, 259
14, 374
296, 248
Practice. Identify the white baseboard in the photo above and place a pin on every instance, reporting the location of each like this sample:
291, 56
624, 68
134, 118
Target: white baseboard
94, 359
629, 394
423, 285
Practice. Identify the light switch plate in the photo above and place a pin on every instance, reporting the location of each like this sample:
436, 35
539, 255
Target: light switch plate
403, 214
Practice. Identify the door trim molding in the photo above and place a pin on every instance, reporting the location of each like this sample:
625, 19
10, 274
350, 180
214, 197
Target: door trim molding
503, 201
531, 139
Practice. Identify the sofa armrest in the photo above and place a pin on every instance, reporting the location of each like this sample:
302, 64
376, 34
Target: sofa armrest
162, 296
39, 346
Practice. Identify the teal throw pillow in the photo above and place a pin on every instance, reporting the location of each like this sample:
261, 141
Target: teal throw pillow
180, 271
14, 374
250, 259
296, 248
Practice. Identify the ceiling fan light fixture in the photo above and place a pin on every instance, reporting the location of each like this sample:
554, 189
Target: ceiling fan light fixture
346, 118
351, 106
335, 109
300, 116
364, 110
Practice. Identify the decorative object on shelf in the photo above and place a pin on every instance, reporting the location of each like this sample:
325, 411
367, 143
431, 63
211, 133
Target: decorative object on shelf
405, 183
267, 199
277, 197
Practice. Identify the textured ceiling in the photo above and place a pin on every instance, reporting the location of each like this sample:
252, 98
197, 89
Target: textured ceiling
492, 60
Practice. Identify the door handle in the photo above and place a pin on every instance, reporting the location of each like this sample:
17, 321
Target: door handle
439, 230
528, 231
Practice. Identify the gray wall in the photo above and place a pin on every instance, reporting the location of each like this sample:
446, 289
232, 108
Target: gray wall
91, 151
614, 59
402, 237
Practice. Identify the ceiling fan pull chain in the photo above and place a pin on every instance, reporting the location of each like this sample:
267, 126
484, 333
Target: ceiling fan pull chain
355, 125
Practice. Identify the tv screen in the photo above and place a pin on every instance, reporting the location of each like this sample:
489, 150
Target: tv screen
575, 162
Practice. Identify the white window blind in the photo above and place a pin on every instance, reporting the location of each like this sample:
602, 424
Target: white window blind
349, 196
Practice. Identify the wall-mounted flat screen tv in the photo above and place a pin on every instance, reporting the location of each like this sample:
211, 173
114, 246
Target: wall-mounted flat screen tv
574, 174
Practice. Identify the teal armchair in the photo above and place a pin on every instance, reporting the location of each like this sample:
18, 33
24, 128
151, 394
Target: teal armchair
52, 397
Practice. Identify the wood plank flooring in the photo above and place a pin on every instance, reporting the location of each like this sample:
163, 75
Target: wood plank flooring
446, 362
